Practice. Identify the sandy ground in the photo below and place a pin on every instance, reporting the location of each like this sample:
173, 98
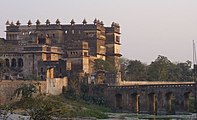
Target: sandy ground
14, 117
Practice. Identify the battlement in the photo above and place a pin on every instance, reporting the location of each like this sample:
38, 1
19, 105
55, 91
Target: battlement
57, 25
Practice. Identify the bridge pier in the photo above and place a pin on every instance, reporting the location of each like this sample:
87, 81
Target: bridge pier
143, 103
179, 104
135, 102
186, 102
168, 102
161, 103
118, 101
152, 103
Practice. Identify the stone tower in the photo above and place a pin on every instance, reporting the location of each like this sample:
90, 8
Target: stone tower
113, 52
113, 45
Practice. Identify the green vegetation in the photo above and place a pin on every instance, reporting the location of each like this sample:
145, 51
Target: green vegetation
162, 69
100, 64
42, 107
45, 107
192, 104
26, 90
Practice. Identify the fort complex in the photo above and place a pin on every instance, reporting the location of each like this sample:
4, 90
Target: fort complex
31, 49
53, 53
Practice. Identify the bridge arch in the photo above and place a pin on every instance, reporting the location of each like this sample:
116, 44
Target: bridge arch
152, 103
170, 101
119, 101
135, 102
189, 100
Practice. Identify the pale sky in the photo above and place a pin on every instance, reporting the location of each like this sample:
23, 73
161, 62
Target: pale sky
149, 27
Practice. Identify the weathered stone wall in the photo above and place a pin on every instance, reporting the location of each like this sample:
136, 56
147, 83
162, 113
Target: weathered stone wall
55, 85
7, 88
50, 86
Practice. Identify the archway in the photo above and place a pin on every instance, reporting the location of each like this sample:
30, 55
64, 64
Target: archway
135, 102
119, 101
189, 102
13, 63
152, 103
7, 62
170, 102
20, 62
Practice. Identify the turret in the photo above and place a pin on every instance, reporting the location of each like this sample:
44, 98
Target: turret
29, 23
47, 22
18, 23
72, 22
57, 22
38, 22
84, 21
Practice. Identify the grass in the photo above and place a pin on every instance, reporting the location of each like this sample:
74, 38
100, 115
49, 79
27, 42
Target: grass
60, 106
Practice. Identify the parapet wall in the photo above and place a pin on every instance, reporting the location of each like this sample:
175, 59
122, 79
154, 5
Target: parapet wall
50, 86
7, 88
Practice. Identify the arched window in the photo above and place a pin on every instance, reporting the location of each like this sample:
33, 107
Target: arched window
119, 101
7, 62
60, 70
13, 63
41, 70
20, 62
41, 77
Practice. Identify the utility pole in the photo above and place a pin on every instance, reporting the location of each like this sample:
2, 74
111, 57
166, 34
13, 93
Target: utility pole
195, 73
194, 61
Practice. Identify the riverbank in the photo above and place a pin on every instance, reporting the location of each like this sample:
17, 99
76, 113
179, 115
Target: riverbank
54, 106
133, 116
118, 116
61, 108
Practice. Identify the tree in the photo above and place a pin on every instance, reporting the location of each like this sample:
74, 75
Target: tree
100, 64
159, 69
136, 71
26, 90
84, 90
124, 62
181, 72
42, 108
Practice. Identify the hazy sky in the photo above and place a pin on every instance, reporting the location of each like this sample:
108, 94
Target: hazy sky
149, 27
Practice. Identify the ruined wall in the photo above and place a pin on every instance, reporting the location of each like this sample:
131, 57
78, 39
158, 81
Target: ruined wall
7, 88
55, 85
51, 86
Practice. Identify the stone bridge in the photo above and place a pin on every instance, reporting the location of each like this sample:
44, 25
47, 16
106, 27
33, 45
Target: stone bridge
152, 97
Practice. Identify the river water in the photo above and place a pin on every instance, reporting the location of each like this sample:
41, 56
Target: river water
121, 116
130, 116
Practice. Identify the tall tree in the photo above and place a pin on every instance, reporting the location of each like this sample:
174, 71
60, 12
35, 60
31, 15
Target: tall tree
181, 72
100, 64
124, 62
136, 71
159, 69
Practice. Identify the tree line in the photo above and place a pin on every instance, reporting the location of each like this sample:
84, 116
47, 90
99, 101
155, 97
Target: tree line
162, 69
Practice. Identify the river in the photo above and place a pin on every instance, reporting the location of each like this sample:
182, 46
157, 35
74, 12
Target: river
120, 116
131, 116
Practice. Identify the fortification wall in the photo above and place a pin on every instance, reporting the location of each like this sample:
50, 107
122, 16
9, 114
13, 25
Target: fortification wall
50, 86
55, 85
7, 88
